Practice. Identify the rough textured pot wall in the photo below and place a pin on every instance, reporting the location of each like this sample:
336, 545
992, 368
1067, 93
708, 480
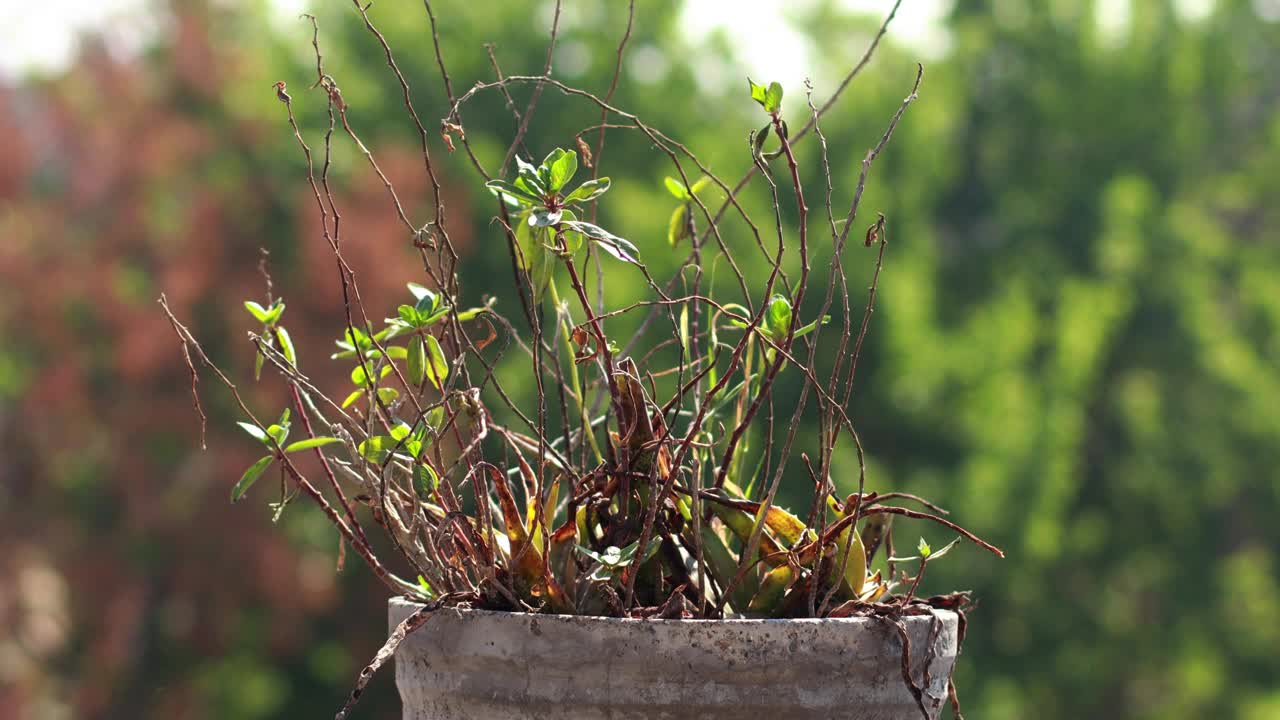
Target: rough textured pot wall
476, 665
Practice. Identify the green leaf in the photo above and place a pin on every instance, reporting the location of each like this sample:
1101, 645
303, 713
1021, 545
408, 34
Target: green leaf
801, 332
254, 430
615, 558
274, 312
417, 361
410, 319
354, 396
701, 184
437, 368
530, 189
676, 188
353, 339
777, 319
418, 291
407, 314
758, 92
722, 565
426, 587
286, 346
758, 139
419, 433
533, 257
387, 395
542, 217
855, 565
531, 177
438, 314
358, 376
309, 443
676, 226
376, 448
258, 312
400, 430
607, 241
260, 358
923, 548
684, 331
472, 313
513, 203
427, 304
935, 554
572, 238
249, 477
396, 352
736, 309
435, 417
562, 166
773, 98
425, 481
511, 190
589, 190
278, 433
772, 591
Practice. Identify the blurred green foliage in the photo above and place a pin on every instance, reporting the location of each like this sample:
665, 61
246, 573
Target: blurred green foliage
1075, 350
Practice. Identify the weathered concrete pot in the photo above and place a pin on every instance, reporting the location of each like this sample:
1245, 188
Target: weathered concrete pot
478, 665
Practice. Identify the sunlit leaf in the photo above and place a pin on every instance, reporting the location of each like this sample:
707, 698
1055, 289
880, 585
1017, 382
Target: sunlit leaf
435, 417
802, 331
777, 318
260, 358
773, 98
425, 587
676, 188
561, 166
257, 311
309, 443
530, 179
855, 567
417, 360
254, 430
425, 481
512, 190
772, 590
249, 477
436, 368
618, 247
588, 191
278, 433
286, 346
676, 226
376, 449
572, 238
541, 217
533, 257
418, 291
358, 376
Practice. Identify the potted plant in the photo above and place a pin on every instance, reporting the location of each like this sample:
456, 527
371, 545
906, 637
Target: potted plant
598, 534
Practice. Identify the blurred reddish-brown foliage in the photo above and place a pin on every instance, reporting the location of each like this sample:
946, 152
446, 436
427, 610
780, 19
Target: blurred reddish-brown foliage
133, 576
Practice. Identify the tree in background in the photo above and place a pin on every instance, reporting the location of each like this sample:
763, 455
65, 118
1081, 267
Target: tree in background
1076, 346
